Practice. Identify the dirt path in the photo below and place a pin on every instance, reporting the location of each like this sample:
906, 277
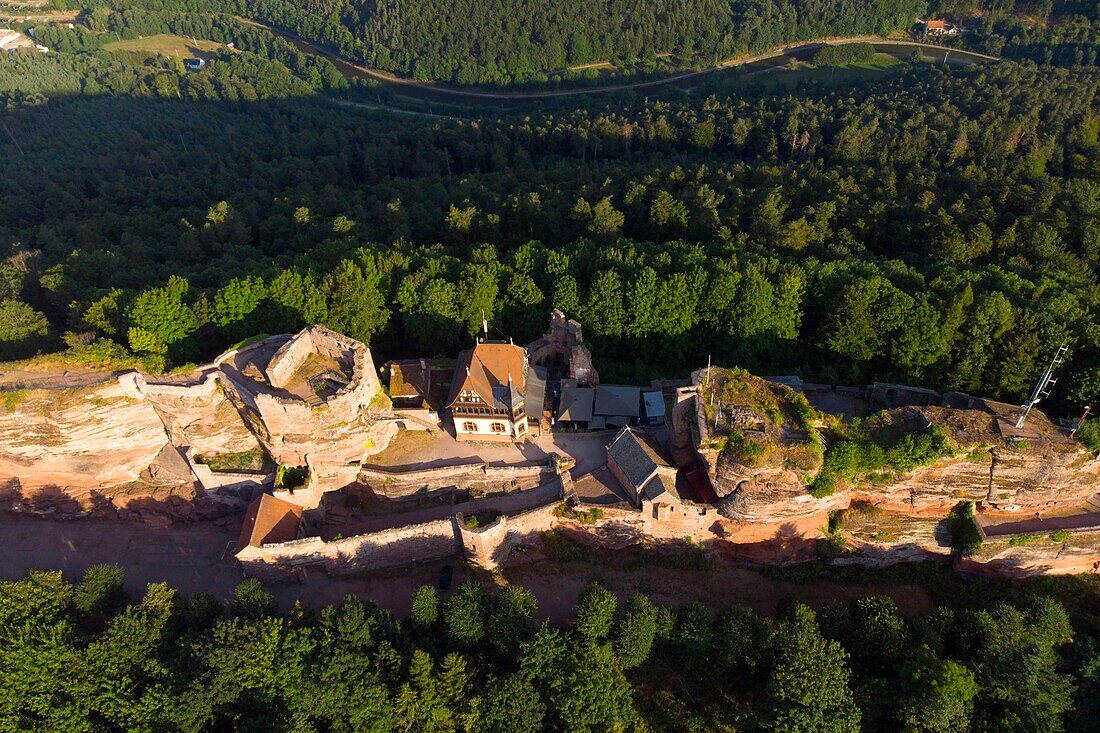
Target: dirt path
193, 558
15, 379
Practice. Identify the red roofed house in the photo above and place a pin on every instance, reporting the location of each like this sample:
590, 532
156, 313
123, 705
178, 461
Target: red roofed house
939, 28
489, 391
268, 521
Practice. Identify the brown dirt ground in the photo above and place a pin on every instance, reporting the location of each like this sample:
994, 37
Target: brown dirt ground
194, 557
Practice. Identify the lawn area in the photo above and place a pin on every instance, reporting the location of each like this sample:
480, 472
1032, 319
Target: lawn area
849, 75
253, 460
165, 45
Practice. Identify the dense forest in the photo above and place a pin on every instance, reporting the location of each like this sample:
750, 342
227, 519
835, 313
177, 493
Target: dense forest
523, 40
517, 41
940, 226
87, 658
527, 42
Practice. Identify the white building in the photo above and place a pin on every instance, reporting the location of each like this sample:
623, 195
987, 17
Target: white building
489, 391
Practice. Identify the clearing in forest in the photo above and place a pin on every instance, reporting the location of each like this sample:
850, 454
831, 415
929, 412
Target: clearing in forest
166, 45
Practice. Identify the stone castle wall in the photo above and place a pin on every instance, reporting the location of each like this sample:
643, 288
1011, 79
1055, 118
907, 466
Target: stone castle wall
384, 549
402, 484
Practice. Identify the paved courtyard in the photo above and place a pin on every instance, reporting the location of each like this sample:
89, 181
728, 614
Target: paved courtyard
419, 449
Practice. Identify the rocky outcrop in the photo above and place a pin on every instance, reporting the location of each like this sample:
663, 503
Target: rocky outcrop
78, 440
763, 465
286, 401
313, 398
198, 415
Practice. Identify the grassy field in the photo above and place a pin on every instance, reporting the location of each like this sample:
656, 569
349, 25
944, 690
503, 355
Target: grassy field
165, 45
849, 75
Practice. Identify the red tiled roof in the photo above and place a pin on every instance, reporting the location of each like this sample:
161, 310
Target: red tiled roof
269, 520
489, 365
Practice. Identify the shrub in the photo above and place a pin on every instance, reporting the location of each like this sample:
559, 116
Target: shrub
963, 526
1060, 535
1088, 435
471, 522
878, 637
741, 640
636, 631
744, 448
595, 612
919, 449
464, 614
251, 601
425, 607
694, 635
852, 459
202, 610
666, 623
561, 548
1023, 539
512, 620
291, 477
100, 592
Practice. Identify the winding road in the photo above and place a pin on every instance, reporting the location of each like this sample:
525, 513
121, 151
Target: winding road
406, 88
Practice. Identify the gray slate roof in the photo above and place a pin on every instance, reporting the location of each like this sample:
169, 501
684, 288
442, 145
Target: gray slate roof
617, 400
637, 455
663, 482
576, 404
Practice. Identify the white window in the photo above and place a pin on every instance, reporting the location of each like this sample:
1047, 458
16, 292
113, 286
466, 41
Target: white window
469, 427
498, 427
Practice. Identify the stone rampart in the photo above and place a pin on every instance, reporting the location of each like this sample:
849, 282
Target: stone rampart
488, 547
402, 484
290, 356
388, 548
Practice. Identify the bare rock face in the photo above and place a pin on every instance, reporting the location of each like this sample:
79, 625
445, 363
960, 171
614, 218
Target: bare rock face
1079, 553
313, 398
78, 440
198, 415
1040, 470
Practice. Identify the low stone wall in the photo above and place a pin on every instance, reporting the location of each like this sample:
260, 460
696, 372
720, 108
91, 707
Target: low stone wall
385, 549
404, 484
531, 512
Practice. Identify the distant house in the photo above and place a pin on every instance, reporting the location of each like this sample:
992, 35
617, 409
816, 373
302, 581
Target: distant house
939, 27
641, 468
194, 64
489, 392
12, 41
269, 520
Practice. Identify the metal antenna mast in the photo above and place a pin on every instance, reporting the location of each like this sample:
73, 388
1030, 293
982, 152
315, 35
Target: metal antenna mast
1042, 388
